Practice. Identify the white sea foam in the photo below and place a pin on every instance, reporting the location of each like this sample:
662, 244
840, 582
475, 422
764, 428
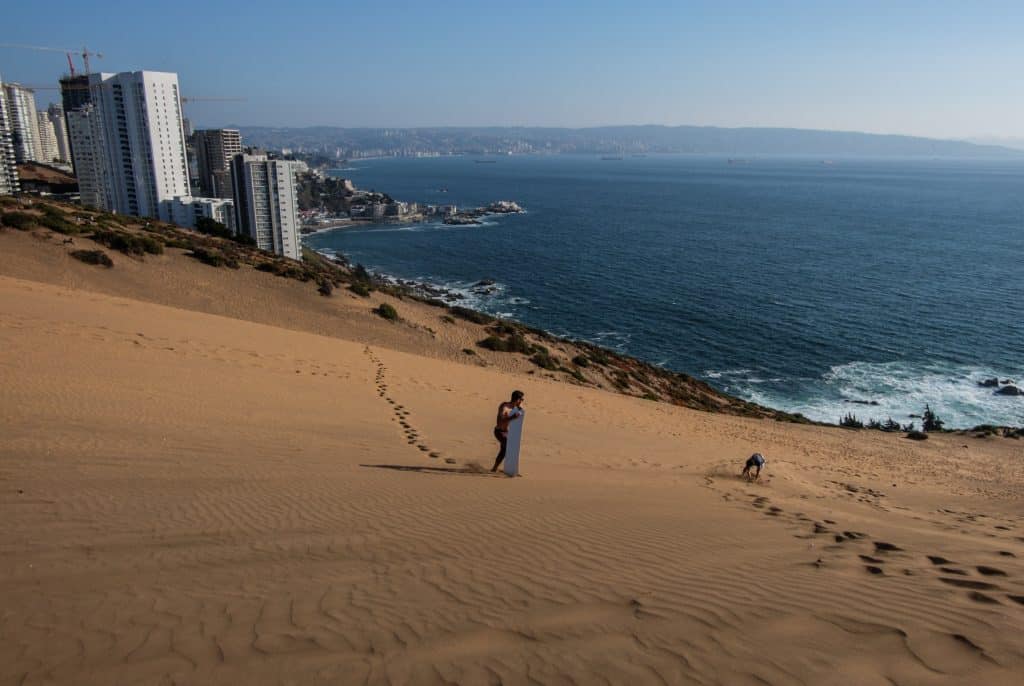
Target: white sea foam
900, 389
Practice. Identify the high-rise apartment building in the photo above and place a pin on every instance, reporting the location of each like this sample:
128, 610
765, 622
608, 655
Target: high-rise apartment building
21, 111
74, 94
88, 148
58, 121
215, 148
136, 144
266, 203
8, 170
47, 139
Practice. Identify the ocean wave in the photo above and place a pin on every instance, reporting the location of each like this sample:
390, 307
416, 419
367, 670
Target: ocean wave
880, 390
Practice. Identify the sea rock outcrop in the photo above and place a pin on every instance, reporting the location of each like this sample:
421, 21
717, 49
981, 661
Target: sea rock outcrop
1010, 390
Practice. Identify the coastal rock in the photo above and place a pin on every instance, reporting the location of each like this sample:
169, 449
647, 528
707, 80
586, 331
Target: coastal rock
989, 383
863, 402
1006, 381
1010, 390
484, 282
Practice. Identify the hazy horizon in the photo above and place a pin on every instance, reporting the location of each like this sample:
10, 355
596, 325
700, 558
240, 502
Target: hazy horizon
938, 70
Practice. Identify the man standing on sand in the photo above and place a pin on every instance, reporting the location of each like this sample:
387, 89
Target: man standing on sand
506, 414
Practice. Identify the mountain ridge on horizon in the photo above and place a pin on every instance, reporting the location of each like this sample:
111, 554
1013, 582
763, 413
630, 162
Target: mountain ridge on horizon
642, 138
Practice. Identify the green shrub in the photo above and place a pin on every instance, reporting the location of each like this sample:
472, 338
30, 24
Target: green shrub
469, 351
57, 223
447, 320
22, 221
129, 244
581, 361
471, 315
620, 379
598, 357
177, 243
513, 344
360, 289
545, 361
851, 422
97, 257
917, 435
386, 311
890, 425
213, 258
650, 396
325, 288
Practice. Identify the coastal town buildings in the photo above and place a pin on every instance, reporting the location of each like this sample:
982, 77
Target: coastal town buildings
186, 211
266, 202
132, 137
214, 150
8, 170
24, 122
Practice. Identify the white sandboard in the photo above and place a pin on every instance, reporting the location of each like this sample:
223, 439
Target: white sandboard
515, 439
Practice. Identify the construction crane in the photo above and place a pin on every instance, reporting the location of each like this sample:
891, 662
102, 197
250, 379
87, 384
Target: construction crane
86, 53
184, 99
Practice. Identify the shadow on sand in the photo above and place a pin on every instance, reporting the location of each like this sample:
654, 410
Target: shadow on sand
468, 470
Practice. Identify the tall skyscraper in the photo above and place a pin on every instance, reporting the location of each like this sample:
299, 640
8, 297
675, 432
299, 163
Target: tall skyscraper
8, 170
135, 142
215, 149
88, 148
74, 94
47, 139
266, 203
60, 131
21, 110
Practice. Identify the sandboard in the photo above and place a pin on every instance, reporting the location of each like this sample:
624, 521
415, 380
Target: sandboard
515, 439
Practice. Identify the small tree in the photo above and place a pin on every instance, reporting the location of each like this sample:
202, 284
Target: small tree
851, 422
930, 421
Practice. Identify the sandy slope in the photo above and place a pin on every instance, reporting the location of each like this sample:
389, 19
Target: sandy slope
192, 498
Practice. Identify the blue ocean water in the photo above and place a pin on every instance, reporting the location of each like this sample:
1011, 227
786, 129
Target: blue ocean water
796, 283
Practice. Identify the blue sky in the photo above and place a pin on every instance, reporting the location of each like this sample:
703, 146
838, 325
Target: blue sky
945, 69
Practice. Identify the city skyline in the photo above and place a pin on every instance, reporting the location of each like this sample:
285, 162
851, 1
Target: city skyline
941, 69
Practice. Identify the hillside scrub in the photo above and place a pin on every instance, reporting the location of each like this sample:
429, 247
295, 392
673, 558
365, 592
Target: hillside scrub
96, 257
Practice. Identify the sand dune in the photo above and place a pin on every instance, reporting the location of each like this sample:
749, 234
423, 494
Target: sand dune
196, 498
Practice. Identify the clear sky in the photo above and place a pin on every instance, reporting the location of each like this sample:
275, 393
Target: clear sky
936, 68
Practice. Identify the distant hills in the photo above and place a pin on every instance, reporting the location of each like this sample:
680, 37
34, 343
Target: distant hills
356, 142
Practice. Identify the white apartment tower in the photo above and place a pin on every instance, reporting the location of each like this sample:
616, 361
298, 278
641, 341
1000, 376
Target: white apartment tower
266, 203
21, 112
47, 139
55, 113
8, 170
132, 136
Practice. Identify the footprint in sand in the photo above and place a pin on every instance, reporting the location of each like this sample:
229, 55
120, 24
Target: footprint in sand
989, 571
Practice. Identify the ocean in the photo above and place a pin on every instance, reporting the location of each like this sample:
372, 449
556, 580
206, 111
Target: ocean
816, 286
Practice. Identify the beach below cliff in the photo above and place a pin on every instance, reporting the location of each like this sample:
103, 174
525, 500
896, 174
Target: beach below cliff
216, 475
